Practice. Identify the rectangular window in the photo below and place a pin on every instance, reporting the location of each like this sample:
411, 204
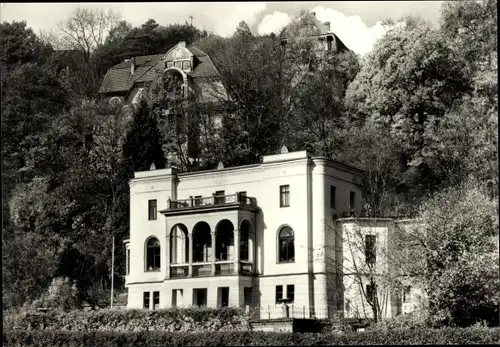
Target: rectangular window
352, 200
128, 261
220, 197
285, 196
170, 64
146, 300
370, 292
333, 191
243, 197
178, 64
152, 209
186, 65
370, 249
406, 294
197, 200
290, 292
279, 294
156, 300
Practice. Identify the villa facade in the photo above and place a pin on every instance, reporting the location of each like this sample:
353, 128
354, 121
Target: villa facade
250, 236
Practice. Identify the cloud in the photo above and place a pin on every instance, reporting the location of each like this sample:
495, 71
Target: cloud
273, 23
351, 29
220, 17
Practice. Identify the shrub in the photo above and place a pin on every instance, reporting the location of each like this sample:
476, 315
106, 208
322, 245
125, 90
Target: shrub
475, 335
174, 319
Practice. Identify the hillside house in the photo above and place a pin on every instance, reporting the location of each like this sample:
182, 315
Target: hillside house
192, 68
248, 236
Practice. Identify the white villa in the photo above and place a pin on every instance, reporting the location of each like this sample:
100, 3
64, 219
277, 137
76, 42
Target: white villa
250, 236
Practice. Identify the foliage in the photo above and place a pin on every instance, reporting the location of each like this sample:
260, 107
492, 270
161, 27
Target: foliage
61, 295
459, 239
173, 319
231, 338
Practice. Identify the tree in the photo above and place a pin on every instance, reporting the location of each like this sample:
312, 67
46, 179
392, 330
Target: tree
471, 28
407, 84
20, 45
460, 246
318, 106
87, 29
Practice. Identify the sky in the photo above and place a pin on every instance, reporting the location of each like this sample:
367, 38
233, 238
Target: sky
356, 23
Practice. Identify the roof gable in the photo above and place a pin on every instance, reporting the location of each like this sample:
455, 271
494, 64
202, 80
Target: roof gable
119, 78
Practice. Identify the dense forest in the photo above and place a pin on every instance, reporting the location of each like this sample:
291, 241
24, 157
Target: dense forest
419, 114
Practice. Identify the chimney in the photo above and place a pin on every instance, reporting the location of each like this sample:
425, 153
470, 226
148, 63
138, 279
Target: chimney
327, 24
132, 65
182, 43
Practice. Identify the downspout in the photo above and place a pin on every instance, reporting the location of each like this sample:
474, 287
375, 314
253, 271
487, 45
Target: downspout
310, 268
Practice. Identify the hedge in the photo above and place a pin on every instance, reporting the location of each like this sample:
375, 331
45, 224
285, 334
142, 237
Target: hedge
44, 338
184, 319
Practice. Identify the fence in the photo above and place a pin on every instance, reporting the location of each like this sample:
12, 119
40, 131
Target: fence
294, 311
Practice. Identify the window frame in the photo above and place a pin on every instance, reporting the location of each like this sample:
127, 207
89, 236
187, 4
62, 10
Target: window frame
156, 295
278, 290
152, 209
288, 287
406, 294
333, 196
220, 197
290, 244
198, 200
128, 260
352, 201
370, 249
156, 256
284, 195
370, 292
146, 304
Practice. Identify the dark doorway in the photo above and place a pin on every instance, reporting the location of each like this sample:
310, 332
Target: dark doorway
224, 296
200, 296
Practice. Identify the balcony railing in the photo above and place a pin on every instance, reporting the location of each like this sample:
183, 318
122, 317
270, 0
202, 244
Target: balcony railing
222, 268
202, 269
178, 270
214, 200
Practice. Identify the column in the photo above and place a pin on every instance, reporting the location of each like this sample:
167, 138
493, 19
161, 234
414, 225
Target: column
167, 254
190, 266
214, 238
236, 251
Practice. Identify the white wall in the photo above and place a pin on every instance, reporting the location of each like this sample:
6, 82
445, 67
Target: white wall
262, 182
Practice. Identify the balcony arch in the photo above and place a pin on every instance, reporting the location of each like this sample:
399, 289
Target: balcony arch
224, 248
202, 242
176, 72
179, 244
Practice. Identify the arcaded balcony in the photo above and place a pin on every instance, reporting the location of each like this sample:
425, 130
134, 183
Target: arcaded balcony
203, 252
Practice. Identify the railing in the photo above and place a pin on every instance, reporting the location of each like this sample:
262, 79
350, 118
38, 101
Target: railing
178, 270
294, 311
246, 268
202, 269
213, 200
224, 268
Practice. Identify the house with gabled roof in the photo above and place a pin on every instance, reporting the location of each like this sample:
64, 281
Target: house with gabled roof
193, 68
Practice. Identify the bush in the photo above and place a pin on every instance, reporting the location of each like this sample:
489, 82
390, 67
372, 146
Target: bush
43, 338
185, 319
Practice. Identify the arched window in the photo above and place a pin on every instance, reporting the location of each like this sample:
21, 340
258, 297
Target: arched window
153, 255
286, 245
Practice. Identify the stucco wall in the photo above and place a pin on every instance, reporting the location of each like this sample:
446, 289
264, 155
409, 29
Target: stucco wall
308, 215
